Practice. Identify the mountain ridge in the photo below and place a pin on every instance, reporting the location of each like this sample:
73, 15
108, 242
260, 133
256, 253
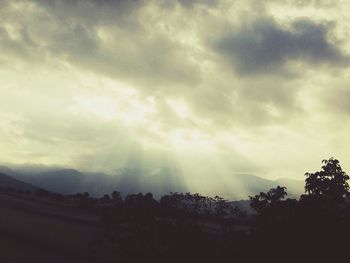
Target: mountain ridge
158, 181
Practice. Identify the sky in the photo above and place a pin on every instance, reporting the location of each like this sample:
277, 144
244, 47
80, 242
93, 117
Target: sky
208, 88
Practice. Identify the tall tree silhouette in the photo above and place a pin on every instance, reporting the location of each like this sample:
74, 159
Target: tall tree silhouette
330, 183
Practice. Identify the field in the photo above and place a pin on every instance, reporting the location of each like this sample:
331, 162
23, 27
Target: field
38, 230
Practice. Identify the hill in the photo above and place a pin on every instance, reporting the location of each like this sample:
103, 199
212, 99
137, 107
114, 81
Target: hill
7, 182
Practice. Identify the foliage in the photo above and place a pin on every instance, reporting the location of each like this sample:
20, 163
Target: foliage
329, 183
198, 205
264, 201
117, 197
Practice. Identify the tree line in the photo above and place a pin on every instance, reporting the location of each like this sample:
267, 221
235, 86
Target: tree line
179, 227
186, 227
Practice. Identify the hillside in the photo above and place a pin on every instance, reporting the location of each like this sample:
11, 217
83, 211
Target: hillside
45, 231
9, 182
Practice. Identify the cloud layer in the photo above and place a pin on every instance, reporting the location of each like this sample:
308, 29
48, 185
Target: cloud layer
207, 88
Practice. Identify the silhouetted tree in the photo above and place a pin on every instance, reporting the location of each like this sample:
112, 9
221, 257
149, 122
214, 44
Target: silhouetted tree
117, 196
222, 207
330, 183
264, 201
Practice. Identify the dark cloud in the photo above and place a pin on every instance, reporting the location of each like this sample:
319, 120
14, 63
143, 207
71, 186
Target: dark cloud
93, 13
110, 11
122, 5
191, 3
265, 46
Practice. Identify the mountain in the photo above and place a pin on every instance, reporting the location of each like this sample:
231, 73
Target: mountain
240, 186
64, 181
127, 181
9, 182
159, 181
255, 184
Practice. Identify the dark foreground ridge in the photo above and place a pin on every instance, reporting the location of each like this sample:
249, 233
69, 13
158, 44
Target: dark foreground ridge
42, 226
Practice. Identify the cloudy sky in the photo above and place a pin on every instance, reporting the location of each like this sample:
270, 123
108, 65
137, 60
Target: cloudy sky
205, 87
